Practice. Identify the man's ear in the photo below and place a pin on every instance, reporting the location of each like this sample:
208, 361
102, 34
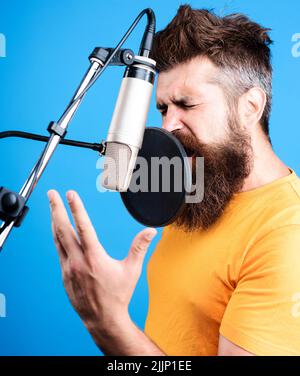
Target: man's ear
251, 106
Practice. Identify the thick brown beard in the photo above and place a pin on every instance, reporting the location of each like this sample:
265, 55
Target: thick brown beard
226, 166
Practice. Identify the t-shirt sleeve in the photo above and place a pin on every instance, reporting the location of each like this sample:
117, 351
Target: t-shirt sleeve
263, 313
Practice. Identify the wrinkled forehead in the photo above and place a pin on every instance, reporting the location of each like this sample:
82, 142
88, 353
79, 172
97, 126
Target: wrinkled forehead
188, 78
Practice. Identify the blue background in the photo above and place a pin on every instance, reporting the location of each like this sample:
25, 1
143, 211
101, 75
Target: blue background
48, 43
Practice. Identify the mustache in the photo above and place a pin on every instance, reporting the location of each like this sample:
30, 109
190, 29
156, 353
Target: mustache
192, 146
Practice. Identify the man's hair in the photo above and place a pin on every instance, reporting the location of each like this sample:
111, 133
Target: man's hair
234, 43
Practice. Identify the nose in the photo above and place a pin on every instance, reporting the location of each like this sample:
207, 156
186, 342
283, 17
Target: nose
171, 120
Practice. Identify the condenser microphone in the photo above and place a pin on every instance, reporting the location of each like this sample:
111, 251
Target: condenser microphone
126, 131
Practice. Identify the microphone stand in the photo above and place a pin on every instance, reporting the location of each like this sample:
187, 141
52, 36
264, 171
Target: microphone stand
13, 207
14, 204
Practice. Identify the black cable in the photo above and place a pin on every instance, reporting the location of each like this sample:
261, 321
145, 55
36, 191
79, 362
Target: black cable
151, 26
37, 137
119, 45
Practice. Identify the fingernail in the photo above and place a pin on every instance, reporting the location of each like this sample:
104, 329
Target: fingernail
70, 196
50, 195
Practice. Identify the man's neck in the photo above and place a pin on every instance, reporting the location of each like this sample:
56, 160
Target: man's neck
266, 168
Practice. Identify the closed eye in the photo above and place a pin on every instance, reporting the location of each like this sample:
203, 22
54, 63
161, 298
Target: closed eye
188, 106
163, 108
163, 112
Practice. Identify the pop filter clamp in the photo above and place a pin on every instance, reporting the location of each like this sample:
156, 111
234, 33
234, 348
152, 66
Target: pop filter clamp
13, 208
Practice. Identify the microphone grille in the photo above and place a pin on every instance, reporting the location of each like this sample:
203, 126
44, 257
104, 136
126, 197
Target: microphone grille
117, 166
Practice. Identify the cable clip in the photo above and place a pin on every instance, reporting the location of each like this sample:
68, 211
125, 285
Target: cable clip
56, 129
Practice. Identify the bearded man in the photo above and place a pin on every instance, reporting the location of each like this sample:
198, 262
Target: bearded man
224, 278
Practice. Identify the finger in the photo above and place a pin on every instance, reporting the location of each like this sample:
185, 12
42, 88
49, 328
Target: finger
62, 226
84, 227
61, 252
140, 246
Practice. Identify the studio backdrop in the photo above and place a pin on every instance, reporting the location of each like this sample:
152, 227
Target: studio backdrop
44, 49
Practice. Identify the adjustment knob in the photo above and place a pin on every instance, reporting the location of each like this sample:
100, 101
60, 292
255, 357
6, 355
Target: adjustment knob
10, 202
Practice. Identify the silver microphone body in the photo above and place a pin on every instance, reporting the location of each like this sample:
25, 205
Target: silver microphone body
126, 131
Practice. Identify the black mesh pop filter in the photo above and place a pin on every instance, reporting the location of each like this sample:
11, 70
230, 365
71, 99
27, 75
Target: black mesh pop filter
161, 196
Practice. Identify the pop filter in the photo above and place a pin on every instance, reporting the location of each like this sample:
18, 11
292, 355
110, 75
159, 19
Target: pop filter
163, 166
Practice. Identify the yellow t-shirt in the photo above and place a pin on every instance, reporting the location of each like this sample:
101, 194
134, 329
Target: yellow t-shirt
240, 278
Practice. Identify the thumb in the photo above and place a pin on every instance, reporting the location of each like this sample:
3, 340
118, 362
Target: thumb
139, 246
